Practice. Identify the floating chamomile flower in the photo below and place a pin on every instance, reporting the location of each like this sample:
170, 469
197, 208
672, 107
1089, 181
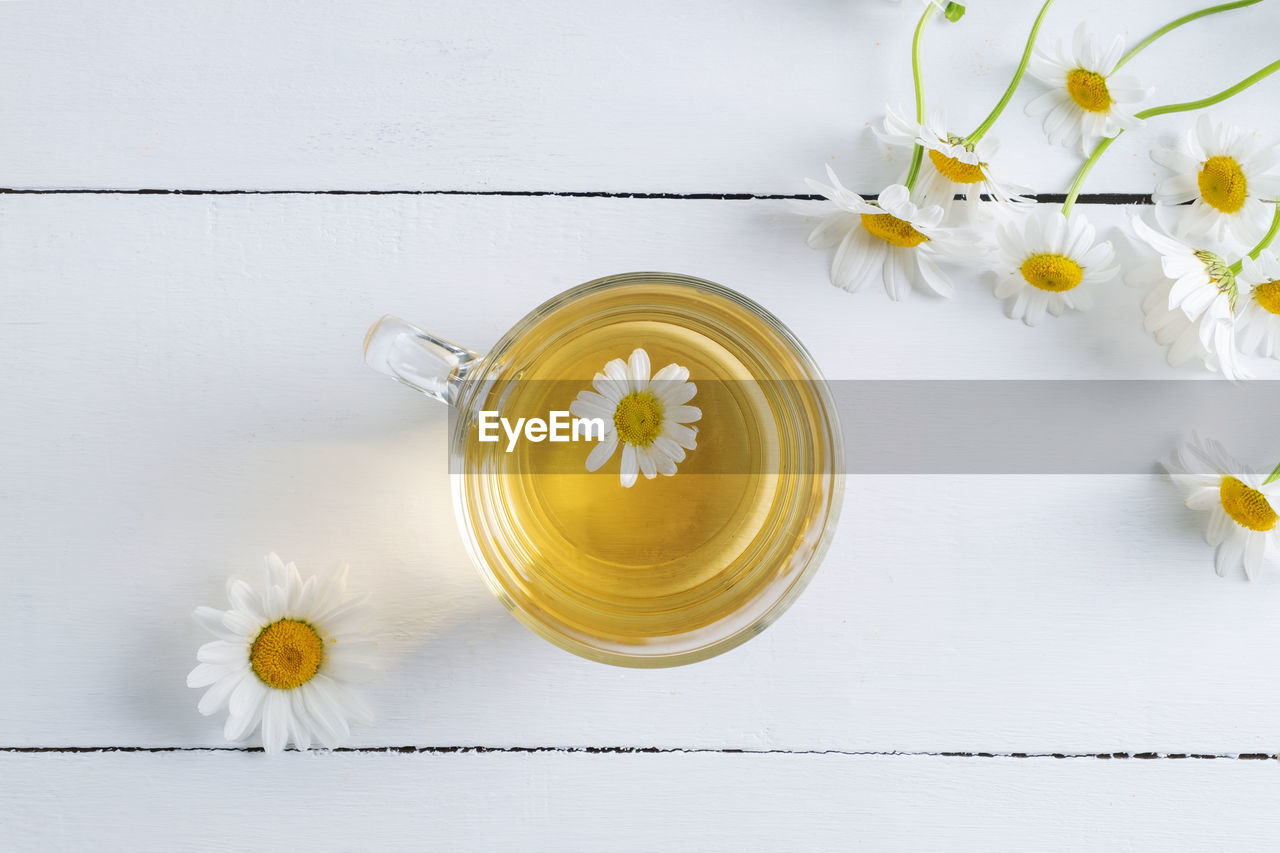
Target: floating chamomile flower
1228, 175
285, 657
1087, 100
951, 166
649, 417
891, 240
1190, 303
1242, 518
1049, 262
1260, 316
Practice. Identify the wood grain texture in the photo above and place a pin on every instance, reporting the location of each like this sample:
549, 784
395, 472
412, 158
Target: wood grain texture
661, 97
184, 393
187, 394
556, 801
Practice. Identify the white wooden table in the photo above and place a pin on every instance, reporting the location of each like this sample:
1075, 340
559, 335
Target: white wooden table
210, 202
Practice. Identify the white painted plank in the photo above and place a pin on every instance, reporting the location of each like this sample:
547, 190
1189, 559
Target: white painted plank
185, 393
559, 801
667, 96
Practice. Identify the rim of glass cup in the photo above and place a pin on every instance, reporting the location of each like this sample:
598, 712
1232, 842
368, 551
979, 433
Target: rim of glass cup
475, 380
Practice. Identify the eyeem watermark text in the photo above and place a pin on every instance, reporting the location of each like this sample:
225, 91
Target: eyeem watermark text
559, 426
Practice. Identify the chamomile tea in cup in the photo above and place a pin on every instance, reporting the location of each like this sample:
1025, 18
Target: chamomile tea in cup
646, 469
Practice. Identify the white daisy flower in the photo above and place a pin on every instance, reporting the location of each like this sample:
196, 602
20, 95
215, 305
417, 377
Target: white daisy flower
284, 658
950, 167
1228, 175
1242, 518
649, 417
891, 240
1190, 303
1049, 262
1260, 316
1087, 101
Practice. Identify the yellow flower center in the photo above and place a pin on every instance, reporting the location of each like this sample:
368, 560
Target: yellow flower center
1267, 295
1089, 90
1054, 273
286, 654
1247, 507
638, 418
956, 170
891, 229
1222, 184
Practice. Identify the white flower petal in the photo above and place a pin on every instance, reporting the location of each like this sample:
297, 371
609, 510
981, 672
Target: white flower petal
686, 437
675, 392
211, 620
217, 696
275, 721
858, 257
243, 598
1229, 553
245, 708
223, 652
897, 281
668, 447
243, 626
602, 452
277, 574
325, 718
326, 709
684, 414
1204, 497
639, 369
648, 467
299, 721
630, 469
832, 229
207, 673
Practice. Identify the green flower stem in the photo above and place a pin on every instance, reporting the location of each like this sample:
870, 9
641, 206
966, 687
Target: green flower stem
1272, 477
1177, 22
917, 153
1185, 106
1260, 74
1085, 169
1262, 244
1013, 84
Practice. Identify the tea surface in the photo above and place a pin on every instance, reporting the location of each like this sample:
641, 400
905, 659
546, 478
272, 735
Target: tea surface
672, 555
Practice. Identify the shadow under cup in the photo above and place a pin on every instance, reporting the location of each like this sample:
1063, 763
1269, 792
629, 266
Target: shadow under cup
674, 569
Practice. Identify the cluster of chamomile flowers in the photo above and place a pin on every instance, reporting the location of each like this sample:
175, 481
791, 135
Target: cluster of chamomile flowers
1210, 285
1207, 296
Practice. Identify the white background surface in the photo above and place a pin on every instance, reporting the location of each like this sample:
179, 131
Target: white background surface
184, 393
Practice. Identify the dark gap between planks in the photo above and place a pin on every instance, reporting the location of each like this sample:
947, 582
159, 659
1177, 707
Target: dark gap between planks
1045, 198
630, 750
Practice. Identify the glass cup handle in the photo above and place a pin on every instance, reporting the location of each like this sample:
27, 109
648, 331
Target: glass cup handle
420, 360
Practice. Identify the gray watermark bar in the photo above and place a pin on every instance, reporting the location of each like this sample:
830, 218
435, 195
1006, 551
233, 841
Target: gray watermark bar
942, 426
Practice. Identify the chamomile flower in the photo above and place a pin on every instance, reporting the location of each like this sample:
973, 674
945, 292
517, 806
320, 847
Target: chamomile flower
951, 167
285, 658
648, 417
1087, 100
891, 240
1242, 518
1050, 262
1228, 175
1190, 303
1260, 316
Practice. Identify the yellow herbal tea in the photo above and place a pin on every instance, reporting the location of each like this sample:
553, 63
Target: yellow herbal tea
719, 546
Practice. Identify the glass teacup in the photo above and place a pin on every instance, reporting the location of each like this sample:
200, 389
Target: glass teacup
695, 555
